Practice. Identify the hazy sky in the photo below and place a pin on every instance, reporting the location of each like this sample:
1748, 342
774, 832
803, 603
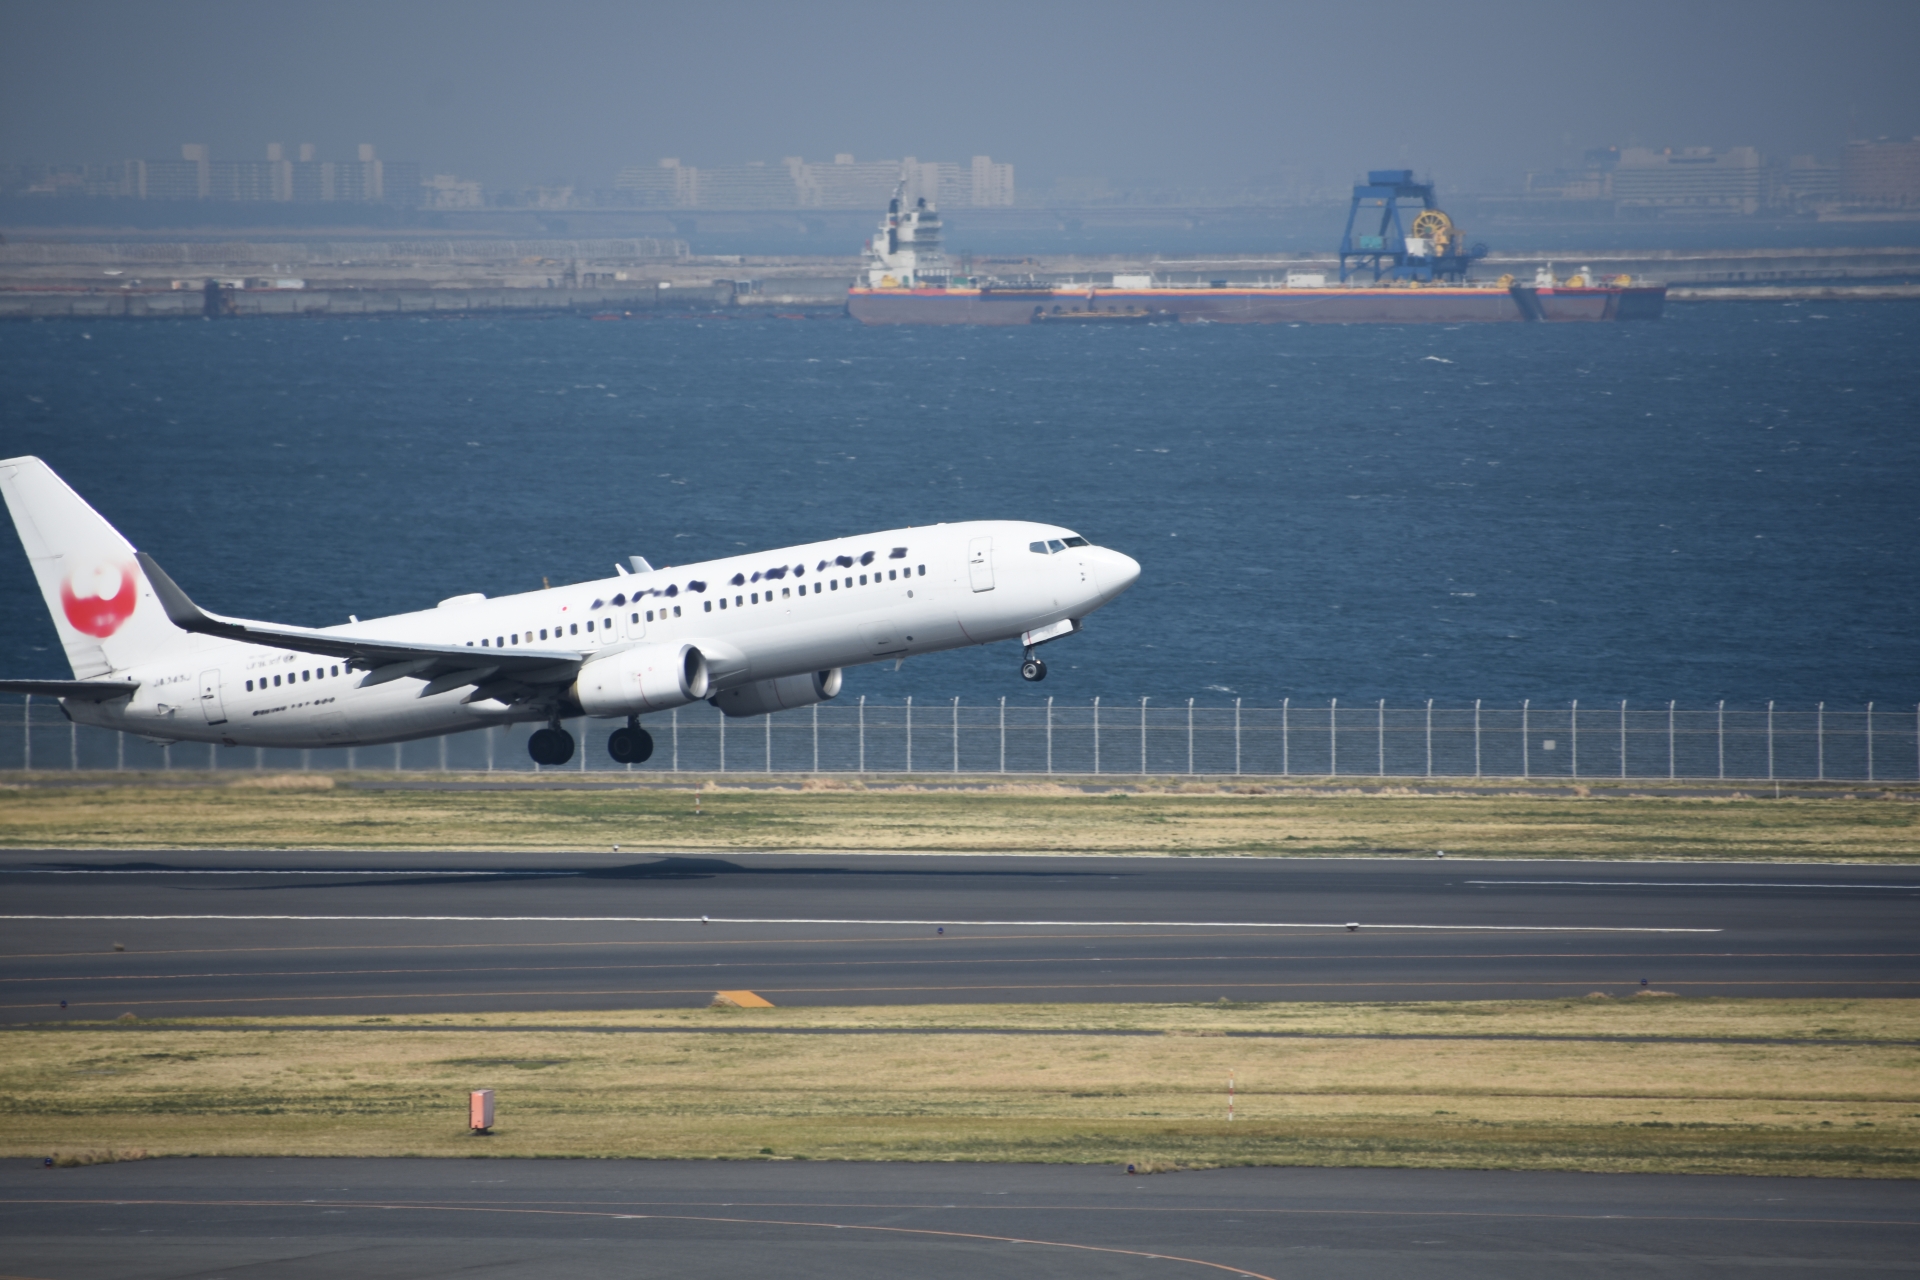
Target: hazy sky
1197, 91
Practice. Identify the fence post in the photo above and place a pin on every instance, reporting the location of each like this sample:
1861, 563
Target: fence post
1003, 733
1143, 737
1573, 740
26, 735
492, 729
1869, 743
353, 761
909, 733
956, 735
1820, 740
723, 739
73, 750
816, 737
769, 726
120, 753
1333, 737
1189, 737
1049, 733
1429, 737
166, 757
1381, 762
863, 734
1526, 747
443, 753
1769, 739
1623, 737
1286, 744
1236, 737
1669, 739
1720, 737
676, 739
1096, 735
1476, 737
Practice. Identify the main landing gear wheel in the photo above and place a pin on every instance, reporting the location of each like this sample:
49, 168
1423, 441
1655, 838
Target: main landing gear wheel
632, 745
1033, 669
550, 746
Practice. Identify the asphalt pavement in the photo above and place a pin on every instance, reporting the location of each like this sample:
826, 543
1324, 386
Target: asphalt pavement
479, 1218
289, 933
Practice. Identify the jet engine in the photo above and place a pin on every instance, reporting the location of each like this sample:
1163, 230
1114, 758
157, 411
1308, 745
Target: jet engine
652, 677
783, 694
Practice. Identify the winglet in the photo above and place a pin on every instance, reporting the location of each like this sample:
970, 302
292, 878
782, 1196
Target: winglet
180, 611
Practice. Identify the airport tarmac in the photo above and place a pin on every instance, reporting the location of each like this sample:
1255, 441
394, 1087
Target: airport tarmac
172, 933
482, 1218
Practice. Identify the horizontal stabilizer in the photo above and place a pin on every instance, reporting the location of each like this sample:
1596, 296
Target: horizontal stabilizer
425, 661
79, 690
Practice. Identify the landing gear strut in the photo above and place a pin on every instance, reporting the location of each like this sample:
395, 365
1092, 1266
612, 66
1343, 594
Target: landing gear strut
631, 745
552, 745
1034, 668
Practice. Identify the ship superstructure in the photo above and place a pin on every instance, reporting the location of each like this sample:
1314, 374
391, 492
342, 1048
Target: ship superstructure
904, 252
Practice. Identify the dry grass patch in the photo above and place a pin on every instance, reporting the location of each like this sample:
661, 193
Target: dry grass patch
832, 815
1803, 1108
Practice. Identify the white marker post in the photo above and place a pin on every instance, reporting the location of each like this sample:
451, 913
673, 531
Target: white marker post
1229, 1097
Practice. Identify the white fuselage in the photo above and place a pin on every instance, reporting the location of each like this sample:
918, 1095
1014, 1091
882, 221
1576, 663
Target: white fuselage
949, 586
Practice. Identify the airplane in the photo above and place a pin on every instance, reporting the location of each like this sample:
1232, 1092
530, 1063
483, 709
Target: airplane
750, 634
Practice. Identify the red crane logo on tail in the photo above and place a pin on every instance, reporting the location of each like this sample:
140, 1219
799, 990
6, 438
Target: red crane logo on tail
98, 600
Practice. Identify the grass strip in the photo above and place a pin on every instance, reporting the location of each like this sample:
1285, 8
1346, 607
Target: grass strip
1182, 819
1467, 1100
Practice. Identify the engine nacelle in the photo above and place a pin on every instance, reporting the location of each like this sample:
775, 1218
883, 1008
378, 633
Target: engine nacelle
783, 694
652, 677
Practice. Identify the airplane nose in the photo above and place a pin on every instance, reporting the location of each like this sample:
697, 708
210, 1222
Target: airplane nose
1122, 572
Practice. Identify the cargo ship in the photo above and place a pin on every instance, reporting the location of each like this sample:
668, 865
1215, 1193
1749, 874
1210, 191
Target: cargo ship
1393, 270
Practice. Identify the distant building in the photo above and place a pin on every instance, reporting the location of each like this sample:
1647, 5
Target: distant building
1805, 181
1690, 180
196, 175
793, 183
445, 191
1883, 172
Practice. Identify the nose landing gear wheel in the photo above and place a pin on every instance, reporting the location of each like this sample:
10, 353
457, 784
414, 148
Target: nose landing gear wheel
630, 746
1033, 669
550, 746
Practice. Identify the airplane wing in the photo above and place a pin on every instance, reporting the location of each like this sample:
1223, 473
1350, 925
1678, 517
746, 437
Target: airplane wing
442, 666
80, 690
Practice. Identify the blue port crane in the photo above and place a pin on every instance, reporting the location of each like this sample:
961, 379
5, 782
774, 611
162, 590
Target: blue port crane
1427, 249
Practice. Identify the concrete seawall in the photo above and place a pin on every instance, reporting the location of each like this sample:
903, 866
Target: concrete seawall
31, 304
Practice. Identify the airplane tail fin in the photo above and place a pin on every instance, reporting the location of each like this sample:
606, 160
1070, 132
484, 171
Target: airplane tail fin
102, 604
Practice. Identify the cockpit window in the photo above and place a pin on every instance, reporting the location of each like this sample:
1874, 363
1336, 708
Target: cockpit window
1055, 545
1078, 542
1038, 548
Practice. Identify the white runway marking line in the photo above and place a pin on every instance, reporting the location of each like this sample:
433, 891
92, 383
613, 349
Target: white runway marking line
1344, 926
253, 871
1700, 884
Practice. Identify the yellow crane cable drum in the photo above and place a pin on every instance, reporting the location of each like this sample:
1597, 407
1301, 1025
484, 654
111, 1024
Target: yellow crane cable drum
1435, 226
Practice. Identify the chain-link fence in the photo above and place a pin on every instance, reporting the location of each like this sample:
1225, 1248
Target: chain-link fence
1562, 740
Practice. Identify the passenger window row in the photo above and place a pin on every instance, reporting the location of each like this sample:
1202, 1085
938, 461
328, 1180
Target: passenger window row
831, 584
570, 629
299, 677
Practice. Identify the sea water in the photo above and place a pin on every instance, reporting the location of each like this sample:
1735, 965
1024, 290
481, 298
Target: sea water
1724, 504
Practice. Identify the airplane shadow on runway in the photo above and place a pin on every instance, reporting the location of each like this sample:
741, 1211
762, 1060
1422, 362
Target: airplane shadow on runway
658, 869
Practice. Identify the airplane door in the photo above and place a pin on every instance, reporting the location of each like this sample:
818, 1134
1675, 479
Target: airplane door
980, 563
210, 705
632, 625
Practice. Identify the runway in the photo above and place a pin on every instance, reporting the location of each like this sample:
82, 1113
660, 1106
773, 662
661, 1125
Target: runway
482, 1218
320, 933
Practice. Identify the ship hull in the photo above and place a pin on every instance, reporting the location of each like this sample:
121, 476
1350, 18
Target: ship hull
1433, 305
